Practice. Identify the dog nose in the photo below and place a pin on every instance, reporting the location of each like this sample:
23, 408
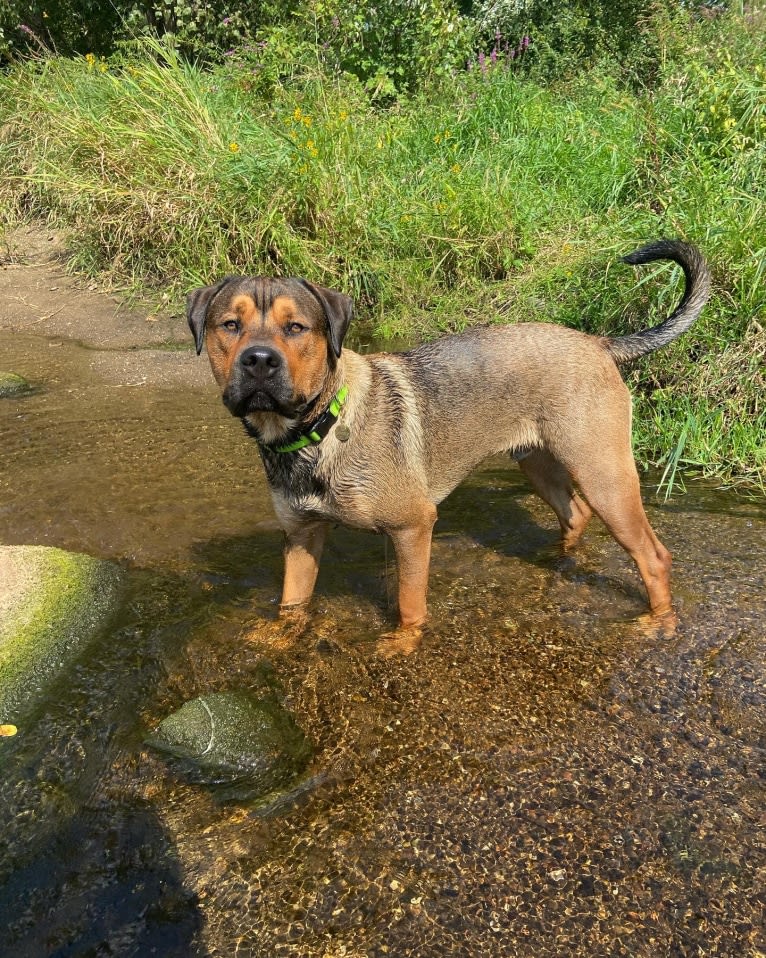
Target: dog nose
260, 360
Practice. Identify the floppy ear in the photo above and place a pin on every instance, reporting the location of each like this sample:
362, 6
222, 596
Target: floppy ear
197, 304
338, 308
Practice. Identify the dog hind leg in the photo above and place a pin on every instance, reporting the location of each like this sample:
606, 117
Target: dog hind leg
612, 490
553, 484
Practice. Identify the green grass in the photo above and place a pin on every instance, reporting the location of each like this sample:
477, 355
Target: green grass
486, 198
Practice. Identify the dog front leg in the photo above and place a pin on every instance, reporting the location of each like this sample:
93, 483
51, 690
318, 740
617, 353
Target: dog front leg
303, 550
412, 545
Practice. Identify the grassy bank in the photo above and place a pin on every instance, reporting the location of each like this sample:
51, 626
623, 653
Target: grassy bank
486, 198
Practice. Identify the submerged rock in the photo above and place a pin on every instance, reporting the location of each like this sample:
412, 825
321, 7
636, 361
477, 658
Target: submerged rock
235, 738
13, 385
52, 603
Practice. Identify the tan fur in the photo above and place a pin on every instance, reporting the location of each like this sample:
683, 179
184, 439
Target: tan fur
415, 424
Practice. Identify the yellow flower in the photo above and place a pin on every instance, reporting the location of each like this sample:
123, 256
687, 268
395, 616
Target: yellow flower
343, 115
307, 121
729, 123
90, 60
234, 147
297, 114
437, 139
456, 168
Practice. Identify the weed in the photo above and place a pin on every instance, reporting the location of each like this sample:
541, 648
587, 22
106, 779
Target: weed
485, 197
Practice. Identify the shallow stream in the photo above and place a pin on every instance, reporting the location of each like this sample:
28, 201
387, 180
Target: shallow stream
542, 778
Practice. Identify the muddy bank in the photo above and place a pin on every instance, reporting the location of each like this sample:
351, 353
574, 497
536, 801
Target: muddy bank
39, 295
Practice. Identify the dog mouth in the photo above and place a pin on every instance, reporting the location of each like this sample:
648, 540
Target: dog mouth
241, 404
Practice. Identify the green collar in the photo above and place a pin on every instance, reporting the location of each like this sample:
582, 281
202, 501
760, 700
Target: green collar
316, 432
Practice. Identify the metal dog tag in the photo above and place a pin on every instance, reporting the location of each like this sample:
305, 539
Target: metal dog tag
342, 433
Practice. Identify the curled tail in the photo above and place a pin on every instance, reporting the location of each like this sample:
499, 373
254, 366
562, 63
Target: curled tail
697, 274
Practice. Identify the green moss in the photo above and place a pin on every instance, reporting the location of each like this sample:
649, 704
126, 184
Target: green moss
51, 604
13, 385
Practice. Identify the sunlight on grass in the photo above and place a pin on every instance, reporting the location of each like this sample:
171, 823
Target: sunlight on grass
485, 199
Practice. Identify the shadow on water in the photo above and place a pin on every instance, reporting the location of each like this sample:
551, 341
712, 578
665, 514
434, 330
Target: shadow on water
541, 779
105, 881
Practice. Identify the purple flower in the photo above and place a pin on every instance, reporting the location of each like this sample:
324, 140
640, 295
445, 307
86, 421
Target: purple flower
493, 56
226, 21
25, 29
335, 23
482, 62
525, 41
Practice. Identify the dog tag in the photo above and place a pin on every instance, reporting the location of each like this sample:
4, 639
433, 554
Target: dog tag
342, 433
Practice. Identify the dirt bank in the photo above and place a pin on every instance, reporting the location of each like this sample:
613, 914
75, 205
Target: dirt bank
41, 297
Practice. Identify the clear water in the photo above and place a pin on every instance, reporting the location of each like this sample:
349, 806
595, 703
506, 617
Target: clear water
542, 778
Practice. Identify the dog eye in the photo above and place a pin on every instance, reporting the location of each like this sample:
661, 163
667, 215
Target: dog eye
232, 325
295, 328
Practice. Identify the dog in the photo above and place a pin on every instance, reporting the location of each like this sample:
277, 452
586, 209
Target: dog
377, 441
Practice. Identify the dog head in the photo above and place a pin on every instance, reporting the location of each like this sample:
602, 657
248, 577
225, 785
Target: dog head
270, 341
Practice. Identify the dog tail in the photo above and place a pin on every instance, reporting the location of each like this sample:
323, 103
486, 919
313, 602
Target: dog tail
696, 293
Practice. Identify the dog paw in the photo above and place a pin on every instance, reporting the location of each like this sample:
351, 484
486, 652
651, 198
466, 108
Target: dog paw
281, 633
661, 626
402, 641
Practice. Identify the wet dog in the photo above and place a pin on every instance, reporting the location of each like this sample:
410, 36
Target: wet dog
376, 442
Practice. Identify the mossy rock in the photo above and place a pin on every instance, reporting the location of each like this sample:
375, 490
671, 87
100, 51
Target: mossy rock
13, 385
52, 603
235, 738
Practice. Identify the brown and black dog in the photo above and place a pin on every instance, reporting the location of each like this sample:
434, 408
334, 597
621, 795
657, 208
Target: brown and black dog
376, 442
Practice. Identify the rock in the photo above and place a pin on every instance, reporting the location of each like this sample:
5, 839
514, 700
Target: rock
51, 604
235, 738
13, 385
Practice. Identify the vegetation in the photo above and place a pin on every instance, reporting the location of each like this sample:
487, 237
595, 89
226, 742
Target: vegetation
440, 189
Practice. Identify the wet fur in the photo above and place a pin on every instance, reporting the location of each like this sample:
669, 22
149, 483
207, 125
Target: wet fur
418, 422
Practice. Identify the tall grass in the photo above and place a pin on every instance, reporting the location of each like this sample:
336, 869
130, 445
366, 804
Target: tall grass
487, 198
173, 174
